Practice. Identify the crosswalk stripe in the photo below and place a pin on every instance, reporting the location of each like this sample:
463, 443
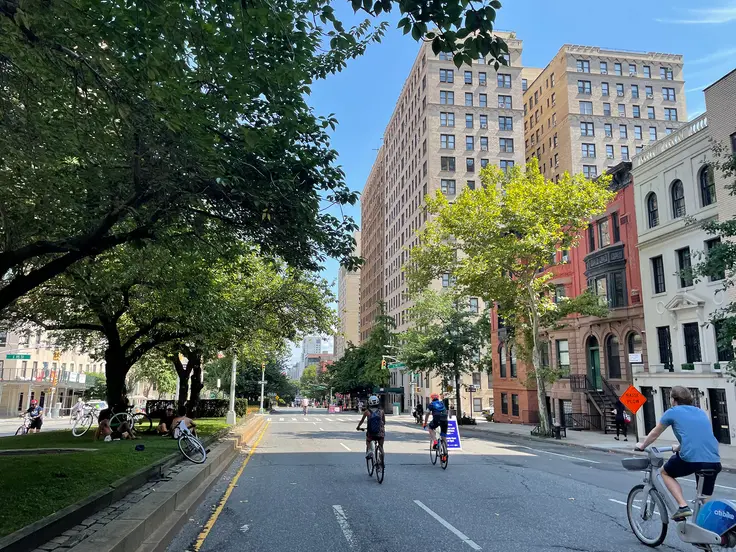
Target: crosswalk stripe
281, 419
293, 419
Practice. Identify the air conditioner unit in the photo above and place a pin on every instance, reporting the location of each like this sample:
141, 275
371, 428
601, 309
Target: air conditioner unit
604, 71
620, 94
650, 96
632, 73
609, 156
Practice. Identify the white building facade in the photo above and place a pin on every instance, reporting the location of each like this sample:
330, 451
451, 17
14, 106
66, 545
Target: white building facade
675, 192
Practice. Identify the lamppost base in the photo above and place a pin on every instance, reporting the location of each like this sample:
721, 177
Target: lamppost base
231, 418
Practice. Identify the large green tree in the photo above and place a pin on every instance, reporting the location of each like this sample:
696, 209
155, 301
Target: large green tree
119, 119
155, 372
495, 242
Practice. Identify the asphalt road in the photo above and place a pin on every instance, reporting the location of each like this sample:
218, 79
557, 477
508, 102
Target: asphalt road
306, 488
9, 426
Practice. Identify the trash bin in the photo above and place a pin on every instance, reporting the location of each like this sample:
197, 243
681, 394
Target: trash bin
557, 431
397, 408
56, 410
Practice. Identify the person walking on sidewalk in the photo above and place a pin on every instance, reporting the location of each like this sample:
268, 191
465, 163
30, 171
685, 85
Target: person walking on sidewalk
620, 412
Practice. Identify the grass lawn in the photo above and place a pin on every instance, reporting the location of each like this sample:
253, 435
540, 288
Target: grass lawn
35, 486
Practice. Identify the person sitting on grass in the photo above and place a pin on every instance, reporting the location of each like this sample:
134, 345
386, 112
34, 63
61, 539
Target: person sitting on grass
105, 430
166, 426
182, 418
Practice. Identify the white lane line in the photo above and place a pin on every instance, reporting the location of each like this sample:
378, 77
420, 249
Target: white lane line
293, 419
624, 504
281, 419
462, 536
321, 429
345, 447
342, 521
562, 455
269, 419
717, 485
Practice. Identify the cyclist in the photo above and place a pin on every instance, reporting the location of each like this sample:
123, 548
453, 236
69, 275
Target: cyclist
376, 430
439, 419
183, 421
36, 414
305, 405
698, 448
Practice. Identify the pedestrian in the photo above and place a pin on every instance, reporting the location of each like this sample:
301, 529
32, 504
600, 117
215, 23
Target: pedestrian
36, 414
620, 412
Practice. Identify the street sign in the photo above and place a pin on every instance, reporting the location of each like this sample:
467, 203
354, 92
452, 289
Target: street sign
17, 357
453, 435
473, 388
633, 399
394, 365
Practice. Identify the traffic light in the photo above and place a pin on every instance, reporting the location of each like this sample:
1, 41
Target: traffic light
383, 364
57, 355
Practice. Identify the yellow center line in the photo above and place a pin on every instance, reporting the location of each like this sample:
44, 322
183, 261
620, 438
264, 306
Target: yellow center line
213, 518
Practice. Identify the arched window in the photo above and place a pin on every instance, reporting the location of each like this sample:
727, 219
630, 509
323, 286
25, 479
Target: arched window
502, 361
613, 359
678, 199
635, 344
707, 186
512, 360
652, 210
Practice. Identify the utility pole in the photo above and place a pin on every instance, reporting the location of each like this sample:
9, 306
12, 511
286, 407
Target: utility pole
231, 413
262, 382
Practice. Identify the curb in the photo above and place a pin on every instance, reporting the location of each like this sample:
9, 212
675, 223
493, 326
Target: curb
40, 532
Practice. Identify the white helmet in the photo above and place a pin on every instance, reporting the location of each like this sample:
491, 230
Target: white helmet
373, 400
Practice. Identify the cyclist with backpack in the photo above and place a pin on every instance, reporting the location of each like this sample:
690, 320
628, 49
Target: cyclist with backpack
376, 427
439, 418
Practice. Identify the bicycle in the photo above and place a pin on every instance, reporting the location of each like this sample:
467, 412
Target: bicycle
84, 421
439, 451
712, 523
191, 447
139, 422
23, 429
375, 462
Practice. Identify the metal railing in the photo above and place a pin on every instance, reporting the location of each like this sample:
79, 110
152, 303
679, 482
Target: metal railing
41, 375
582, 421
671, 140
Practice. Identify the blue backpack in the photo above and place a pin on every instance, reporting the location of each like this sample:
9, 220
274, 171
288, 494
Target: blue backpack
375, 422
438, 408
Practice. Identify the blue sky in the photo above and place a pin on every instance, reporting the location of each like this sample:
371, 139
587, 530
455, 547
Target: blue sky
363, 96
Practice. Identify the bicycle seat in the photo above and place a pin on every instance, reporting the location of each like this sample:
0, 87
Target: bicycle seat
706, 473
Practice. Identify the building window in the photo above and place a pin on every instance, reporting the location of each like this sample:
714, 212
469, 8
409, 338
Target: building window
647, 71
652, 210
557, 162
505, 165
483, 100
587, 129
445, 280
469, 99
470, 184
445, 56
3, 338
691, 333
709, 246
650, 112
668, 94
524, 85
447, 119
484, 143
733, 142
504, 81
586, 108
512, 361
684, 266
447, 164
613, 358
468, 120
608, 130
619, 90
544, 354
723, 344
625, 153
474, 307
591, 239
665, 73
637, 132
634, 91
658, 274
618, 290
636, 112
504, 403
665, 346
707, 186
447, 141
559, 292
623, 131
604, 68
502, 360
554, 140
468, 77
477, 403
505, 123
638, 150
607, 109
504, 102
670, 114
652, 134
621, 110
666, 399
447, 187
588, 150
583, 66
447, 98
678, 199
506, 145
481, 79
584, 87
617, 69
514, 404
470, 164
616, 228
469, 143
604, 237
604, 89
600, 288
447, 75
590, 171
609, 151
483, 120
563, 357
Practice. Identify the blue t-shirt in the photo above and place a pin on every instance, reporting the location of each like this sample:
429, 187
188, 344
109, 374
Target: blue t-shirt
694, 431
437, 408
35, 412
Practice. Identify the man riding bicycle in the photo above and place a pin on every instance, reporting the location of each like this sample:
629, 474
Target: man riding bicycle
439, 419
376, 430
698, 448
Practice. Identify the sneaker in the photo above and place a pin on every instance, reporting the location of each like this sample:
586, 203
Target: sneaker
368, 454
682, 513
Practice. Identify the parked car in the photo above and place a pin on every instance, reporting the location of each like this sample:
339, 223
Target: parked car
97, 405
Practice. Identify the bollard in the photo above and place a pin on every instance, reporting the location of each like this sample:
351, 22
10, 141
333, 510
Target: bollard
558, 436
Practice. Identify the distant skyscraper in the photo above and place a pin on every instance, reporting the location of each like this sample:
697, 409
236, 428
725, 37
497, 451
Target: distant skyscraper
348, 306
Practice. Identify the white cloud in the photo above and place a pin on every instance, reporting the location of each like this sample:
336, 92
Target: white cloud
729, 53
706, 16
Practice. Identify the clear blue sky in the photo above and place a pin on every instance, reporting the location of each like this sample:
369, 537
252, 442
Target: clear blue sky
363, 96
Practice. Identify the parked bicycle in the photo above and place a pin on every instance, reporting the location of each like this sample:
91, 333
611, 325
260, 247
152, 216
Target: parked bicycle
83, 420
375, 462
139, 421
23, 429
191, 447
649, 507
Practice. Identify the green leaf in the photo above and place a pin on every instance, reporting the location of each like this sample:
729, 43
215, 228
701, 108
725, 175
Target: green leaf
436, 45
416, 32
496, 4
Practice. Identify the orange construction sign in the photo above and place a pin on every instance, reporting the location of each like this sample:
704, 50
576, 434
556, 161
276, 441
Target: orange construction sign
633, 399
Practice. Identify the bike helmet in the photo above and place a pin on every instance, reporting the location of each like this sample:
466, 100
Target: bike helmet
373, 400
434, 396
34, 402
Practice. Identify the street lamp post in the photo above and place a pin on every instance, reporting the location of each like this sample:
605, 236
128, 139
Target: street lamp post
231, 413
262, 382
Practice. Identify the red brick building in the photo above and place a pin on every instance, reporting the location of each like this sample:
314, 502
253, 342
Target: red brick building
594, 354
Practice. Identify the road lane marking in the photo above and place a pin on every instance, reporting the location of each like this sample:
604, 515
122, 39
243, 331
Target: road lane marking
562, 455
717, 485
345, 447
624, 504
293, 419
281, 419
213, 518
321, 429
342, 521
269, 419
462, 536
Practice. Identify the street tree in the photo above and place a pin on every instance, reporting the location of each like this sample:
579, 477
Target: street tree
248, 377
495, 242
348, 374
155, 372
446, 339
147, 115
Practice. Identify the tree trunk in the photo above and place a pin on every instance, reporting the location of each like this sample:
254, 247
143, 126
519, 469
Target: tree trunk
195, 366
536, 363
116, 369
183, 374
458, 400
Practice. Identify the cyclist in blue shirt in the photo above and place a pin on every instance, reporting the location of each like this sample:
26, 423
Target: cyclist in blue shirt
698, 448
36, 414
439, 418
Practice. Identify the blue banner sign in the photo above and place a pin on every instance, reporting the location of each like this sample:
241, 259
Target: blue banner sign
453, 435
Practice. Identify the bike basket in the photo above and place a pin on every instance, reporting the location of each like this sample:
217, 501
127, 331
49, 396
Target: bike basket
635, 464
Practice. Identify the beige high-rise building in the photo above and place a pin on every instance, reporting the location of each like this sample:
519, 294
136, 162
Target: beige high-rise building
348, 305
448, 124
592, 108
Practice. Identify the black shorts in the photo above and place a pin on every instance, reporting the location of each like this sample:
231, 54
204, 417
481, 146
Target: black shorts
677, 467
36, 423
441, 423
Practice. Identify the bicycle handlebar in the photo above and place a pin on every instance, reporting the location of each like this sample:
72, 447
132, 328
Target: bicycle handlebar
655, 449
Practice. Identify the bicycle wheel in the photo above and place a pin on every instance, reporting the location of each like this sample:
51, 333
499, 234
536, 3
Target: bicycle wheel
647, 516
432, 454
81, 425
444, 456
379, 464
119, 419
192, 449
142, 422
22, 430
369, 463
